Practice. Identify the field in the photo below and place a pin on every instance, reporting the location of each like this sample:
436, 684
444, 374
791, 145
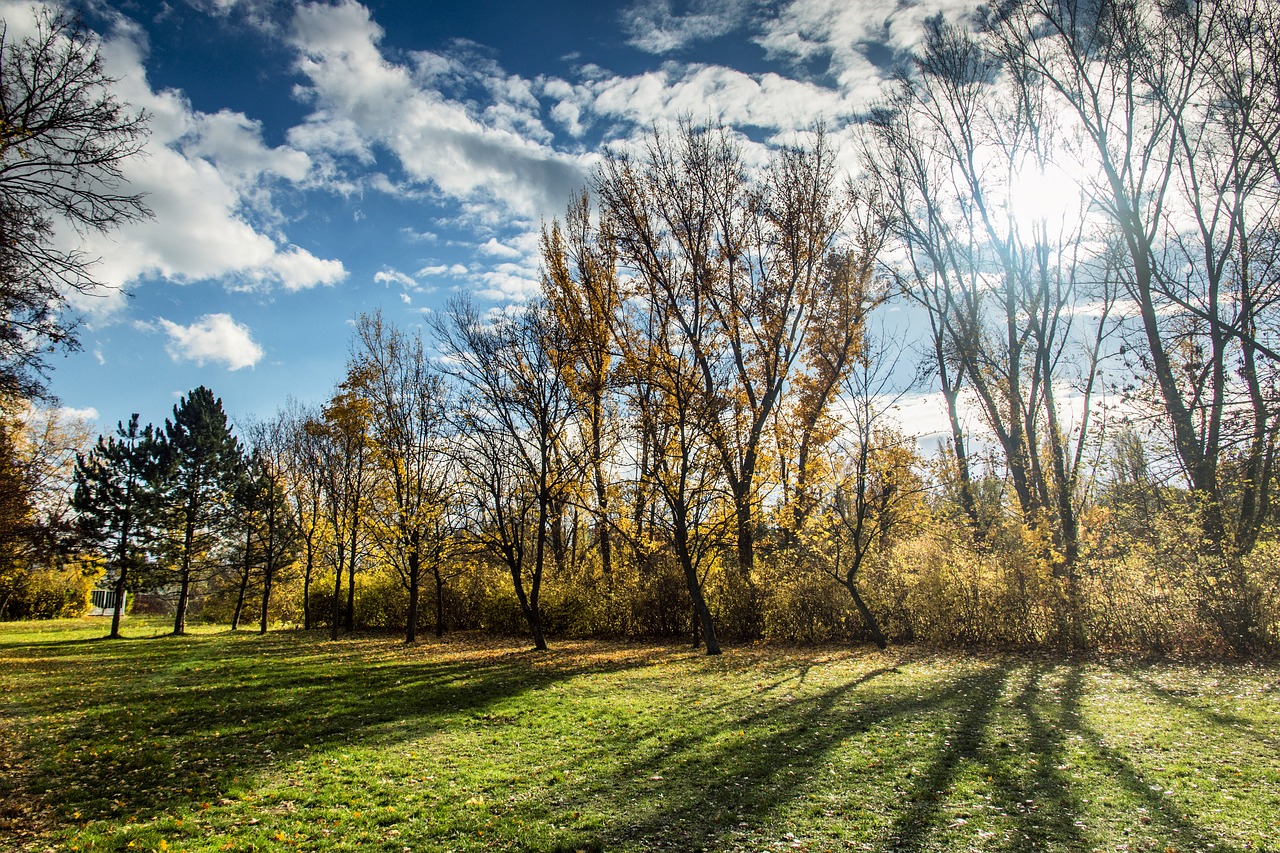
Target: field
220, 741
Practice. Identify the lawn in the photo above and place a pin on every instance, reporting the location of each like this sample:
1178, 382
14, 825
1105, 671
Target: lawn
220, 741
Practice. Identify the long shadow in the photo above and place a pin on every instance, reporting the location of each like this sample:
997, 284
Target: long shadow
1180, 699
748, 779
1030, 783
1164, 815
912, 827
159, 732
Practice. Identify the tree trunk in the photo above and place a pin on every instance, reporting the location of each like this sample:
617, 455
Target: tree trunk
700, 609
244, 583
411, 628
439, 601
306, 586
119, 605
267, 577
877, 636
180, 613
337, 596
350, 624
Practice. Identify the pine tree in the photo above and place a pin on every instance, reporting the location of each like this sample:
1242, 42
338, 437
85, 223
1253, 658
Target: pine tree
111, 491
199, 458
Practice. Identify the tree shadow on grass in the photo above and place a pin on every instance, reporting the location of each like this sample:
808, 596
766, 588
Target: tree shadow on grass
1167, 821
716, 790
1009, 731
177, 723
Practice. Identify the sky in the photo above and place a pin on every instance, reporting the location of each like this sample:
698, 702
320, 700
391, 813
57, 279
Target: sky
310, 161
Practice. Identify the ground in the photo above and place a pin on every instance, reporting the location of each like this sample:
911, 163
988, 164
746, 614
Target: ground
220, 741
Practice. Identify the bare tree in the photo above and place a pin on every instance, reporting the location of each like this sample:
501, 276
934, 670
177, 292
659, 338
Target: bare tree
954, 153
738, 264
1176, 108
64, 138
410, 515
515, 421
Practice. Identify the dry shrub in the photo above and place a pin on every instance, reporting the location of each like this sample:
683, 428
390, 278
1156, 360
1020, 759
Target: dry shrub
47, 593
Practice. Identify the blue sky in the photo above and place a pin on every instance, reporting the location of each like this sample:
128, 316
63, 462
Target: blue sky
309, 161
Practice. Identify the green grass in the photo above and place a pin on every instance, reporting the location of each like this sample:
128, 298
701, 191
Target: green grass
217, 741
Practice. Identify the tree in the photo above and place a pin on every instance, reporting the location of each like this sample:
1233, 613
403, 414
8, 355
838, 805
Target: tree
260, 506
339, 440
278, 532
111, 497
38, 450
580, 284
64, 138
407, 433
678, 464
872, 489
198, 458
301, 461
514, 419
1001, 278
740, 262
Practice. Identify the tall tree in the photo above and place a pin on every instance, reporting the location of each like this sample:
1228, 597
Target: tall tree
580, 284
739, 262
1175, 108
407, 433
111, 498
64, 139
302, 464
339, 439
278, 532
198, 461
952, 152
515, 417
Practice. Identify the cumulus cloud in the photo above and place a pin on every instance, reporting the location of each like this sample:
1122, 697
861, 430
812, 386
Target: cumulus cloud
768, 101
212, 338
390, 276
88, 414
493, 161
495, 249
656, 27
442, 269
840, 33
208, 178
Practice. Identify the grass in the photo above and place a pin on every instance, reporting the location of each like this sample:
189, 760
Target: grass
220, 741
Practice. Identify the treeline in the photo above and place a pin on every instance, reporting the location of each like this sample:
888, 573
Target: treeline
689, 431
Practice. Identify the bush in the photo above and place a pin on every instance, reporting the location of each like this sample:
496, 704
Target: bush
47, 593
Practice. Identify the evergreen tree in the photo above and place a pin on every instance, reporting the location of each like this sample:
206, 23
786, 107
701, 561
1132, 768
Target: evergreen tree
111, 490
198, 465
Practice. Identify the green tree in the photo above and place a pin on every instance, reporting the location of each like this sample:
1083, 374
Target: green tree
197, 460
111, 491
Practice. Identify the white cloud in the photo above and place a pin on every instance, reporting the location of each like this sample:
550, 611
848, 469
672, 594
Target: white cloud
206, 177
442, 269
508, 283
214, 337
841, 32
390, 276
361, 99
495, 249
86, 415
655, 26
768, 100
